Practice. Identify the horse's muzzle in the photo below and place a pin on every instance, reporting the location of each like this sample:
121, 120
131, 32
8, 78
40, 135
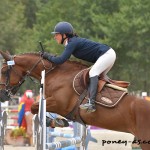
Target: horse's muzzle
4, 96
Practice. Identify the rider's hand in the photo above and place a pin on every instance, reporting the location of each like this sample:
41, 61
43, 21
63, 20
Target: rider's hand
45, 55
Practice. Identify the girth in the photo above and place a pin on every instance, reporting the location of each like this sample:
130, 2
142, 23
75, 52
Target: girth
74, 115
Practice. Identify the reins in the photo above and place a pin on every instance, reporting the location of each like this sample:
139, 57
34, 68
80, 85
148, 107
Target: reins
11, 90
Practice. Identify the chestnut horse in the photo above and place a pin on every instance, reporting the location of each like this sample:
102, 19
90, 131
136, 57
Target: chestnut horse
130, 115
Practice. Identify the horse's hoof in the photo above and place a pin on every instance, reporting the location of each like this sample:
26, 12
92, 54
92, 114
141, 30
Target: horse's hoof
57, 122
49, 122
61, 123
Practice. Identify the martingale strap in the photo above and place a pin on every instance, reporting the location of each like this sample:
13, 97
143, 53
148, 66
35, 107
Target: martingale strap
74, 115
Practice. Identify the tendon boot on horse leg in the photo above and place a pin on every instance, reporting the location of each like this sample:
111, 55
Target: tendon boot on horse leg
90, 105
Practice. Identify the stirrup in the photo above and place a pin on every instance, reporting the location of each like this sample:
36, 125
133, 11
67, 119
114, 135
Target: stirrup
86, 105
92, 108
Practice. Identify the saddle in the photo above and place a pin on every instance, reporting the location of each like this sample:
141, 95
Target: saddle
109, 91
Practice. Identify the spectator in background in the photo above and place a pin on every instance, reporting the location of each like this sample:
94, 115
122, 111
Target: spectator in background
25, 116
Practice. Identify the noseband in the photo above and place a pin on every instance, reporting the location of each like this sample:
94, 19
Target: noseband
5, 94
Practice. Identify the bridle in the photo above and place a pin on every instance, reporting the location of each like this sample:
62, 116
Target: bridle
8, 91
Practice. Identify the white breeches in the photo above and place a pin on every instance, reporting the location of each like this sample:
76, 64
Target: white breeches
103, 64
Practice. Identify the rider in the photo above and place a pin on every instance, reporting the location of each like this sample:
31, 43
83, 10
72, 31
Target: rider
101, 55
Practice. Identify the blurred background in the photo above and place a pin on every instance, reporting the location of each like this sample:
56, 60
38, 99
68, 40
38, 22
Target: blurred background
122, 24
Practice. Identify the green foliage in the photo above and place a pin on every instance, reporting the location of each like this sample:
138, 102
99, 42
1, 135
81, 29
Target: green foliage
128, 33
11, 24
122, 24
30, 12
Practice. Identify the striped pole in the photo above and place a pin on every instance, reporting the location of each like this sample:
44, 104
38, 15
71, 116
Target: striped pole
59, 134
61, 144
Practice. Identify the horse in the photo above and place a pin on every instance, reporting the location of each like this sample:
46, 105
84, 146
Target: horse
130, 115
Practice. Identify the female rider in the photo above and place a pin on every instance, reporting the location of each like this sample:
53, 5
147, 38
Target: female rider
100, 54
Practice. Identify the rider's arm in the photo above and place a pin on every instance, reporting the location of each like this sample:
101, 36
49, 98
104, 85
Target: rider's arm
69, 49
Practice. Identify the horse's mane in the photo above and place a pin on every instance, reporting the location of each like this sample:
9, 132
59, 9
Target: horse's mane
76, 63
30, 53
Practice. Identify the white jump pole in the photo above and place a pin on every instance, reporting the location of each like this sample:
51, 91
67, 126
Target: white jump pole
42, 114
3, 124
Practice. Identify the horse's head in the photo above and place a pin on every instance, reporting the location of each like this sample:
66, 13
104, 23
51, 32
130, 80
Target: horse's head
10, 77
15, 69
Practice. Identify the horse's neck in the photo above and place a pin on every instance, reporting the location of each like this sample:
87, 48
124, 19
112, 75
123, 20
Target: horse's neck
29, 61
28, 65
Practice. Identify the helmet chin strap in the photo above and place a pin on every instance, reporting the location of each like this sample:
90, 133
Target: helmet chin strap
63, 39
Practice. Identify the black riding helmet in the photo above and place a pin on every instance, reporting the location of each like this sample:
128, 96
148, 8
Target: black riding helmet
63, 28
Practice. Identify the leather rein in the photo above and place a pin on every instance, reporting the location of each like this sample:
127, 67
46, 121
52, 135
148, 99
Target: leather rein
11, 90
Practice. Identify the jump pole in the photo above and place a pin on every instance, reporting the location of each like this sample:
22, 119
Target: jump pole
3, 124
40, 120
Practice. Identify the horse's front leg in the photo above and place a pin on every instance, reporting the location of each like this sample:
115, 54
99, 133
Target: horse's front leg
50, 106
35, 108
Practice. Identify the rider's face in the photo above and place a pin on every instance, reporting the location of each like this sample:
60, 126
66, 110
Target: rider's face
58, 37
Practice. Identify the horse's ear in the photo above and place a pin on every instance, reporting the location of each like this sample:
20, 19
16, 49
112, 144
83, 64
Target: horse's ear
5, 55
7, 52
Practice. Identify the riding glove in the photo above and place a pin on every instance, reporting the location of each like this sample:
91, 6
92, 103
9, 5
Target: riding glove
46, 55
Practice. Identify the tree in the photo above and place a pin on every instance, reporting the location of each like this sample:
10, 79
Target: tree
11, 23
128, 31
30, 12
122, 24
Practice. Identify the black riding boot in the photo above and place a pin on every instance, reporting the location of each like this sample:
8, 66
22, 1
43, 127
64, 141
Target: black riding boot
90, 105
